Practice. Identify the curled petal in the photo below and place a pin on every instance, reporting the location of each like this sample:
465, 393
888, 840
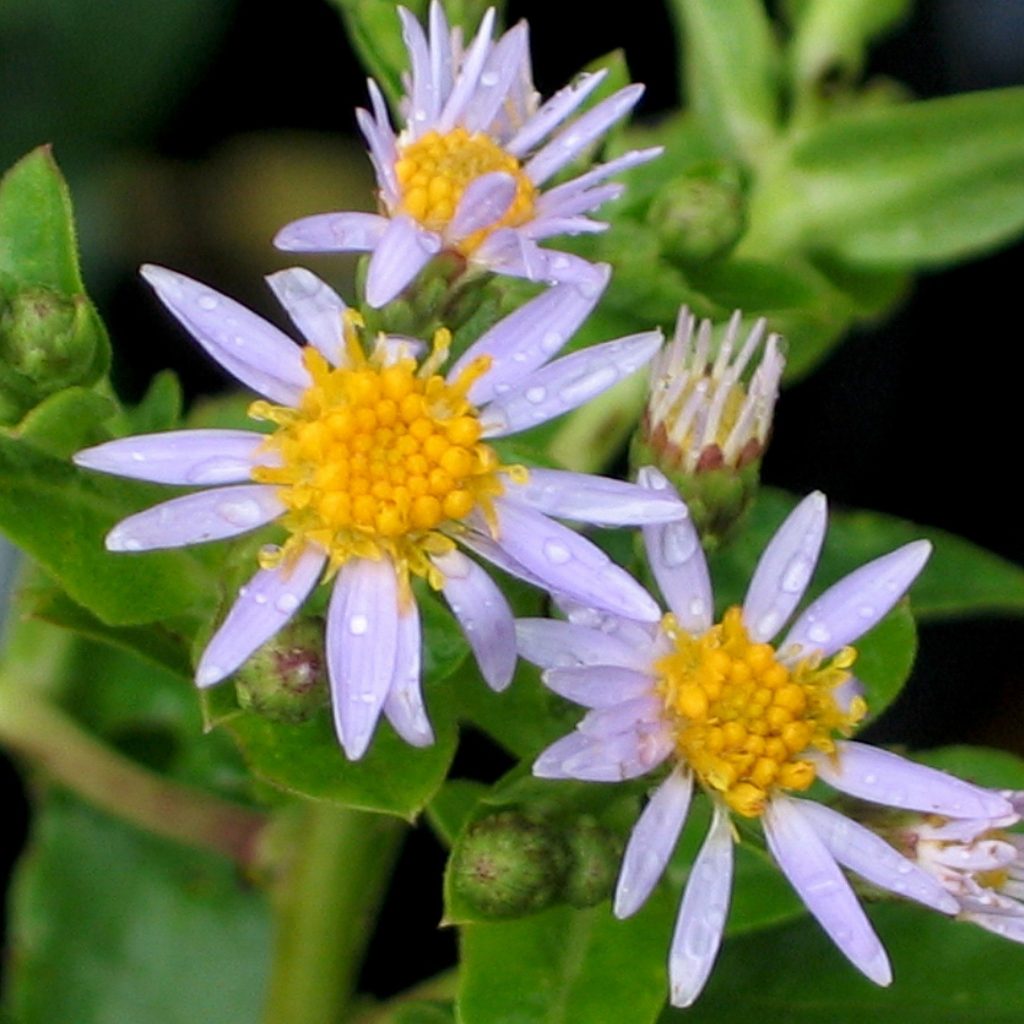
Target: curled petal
196, 457
651, 842
197, 518
677, 561
486, 619
362, 639
403, 250
813, 872
332, 232
249, 348
403, 705
485, 201
785, 569
315, 308
264, 605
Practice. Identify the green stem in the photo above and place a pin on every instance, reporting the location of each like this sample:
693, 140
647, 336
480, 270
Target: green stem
55, 743
325, 903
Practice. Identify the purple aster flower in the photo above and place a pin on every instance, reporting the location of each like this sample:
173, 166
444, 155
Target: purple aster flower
752, 724
379, 469
468, 171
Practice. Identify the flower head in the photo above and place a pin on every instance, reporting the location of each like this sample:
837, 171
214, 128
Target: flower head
378, 469
753, 724
467, 172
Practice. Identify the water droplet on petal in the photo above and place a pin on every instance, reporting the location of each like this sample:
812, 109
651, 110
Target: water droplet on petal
536, 395
677, 545
551, 341
489, 78
260, 599
556, 552
138, 457
818, 633
241, 512
866, 611
358, 624
207, 301
287, 603
796, 574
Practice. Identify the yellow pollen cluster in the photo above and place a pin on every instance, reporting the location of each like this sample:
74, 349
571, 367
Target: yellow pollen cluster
378, 456
435, 170
743, 718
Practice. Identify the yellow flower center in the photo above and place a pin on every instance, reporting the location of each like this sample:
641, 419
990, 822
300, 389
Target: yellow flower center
743, 718
435, 170
379, 457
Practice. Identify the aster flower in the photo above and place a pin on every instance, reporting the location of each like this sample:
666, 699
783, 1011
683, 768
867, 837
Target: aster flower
378, 469
753, 725
467, 172
976, 860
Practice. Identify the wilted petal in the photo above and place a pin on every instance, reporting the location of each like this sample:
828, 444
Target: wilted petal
484, 615
651, 842
263, 606
785, 569
595, 499
569, 563
552, 644
527, 338
857, 602
871, 857
813, 872
485, 201
332, 232
701, 920
249, 348
677, 561
196, 457
362, 637
598, 686
404, 703
885, 778
403, 251
197, 518
315, 308
567, 383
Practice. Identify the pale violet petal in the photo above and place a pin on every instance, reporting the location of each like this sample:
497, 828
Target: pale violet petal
573, 139
813, 872
553, 113
651, 842
249, 348
565, 197
197, 518
315, 308
332, 232
496, 79
441, 62
567, 383
425, 104
485, 201
510, 251
871, 773
612, 758
189, 457
871, 857
549, 227
383, 155
1011, 928
263, 606
528, 337
469, 74
572, 206
598, 686
623, 716
677, 560
552, 644
702, 914
785, 569
857, 602
362, 637
403, 705
402, 252
484, 615
569, 563
481, 543
595, 499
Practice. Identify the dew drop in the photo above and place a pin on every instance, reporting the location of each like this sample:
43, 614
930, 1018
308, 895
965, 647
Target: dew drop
358, 624
207, 301
138, 457
244, 512
796, 574
551, 341
866, 611
260, 599
556, 552
560, 263
536, 395
767, 625
870, 780
677, 546
131, 545
489, 78
697, 608
519, 357
818, 633
904, 867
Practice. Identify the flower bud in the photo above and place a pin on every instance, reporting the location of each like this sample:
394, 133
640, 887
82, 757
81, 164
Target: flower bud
707, 419
508, 865
286, 679
594, 857
700, 215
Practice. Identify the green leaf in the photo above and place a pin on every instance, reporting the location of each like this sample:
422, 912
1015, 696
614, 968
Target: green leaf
160, 408
108, 924
946, 971
422, 1013
982, 765
452, 807
918, 184
885, 656
60, 515
731, 71
66, 422
960, 578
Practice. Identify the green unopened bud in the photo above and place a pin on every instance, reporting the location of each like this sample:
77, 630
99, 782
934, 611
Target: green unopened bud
594, 856
286, 679
708, 418
46, 344
509, 865
699, 215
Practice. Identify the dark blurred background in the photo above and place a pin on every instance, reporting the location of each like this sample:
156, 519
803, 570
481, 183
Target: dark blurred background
191, 130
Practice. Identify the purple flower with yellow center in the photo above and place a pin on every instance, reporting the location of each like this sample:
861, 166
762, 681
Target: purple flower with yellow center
468, 171
753, 724
378, 468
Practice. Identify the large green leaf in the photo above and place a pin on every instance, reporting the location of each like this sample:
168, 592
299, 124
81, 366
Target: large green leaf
112, 925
